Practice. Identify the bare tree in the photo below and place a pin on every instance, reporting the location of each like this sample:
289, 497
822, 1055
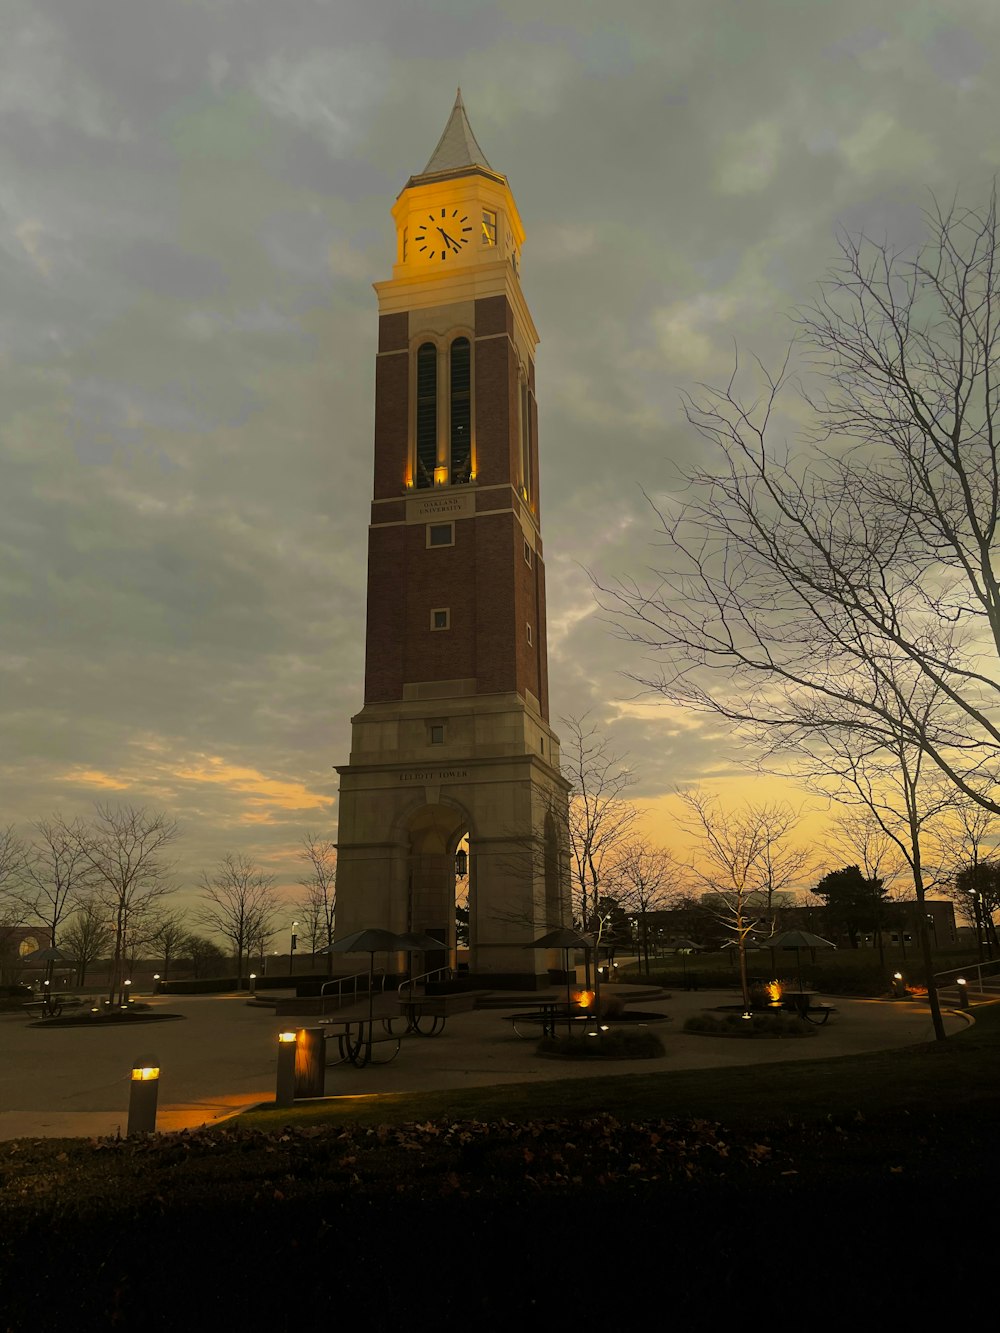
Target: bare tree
648, 878
240, 905
88, 936
743, 857
973, 878
262, 933
13, 855
893, 780
787, 574
123, 847
56, 872
861, 841
14, 907
600, 819
781, 864
204, 954
317, 908
168, 935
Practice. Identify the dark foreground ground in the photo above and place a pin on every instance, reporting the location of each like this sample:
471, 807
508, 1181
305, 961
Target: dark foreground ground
821, 1195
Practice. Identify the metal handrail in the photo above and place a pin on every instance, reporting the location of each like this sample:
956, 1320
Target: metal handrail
957, 972
409, 984
378, 974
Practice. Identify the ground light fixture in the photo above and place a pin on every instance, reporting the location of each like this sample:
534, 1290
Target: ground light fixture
284, 1092
898, 986
253, 983
963, 992
144, 1088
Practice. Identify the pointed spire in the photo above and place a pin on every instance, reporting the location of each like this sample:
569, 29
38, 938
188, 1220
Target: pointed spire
457, 147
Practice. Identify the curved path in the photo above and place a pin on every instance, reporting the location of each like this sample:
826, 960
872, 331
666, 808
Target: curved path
63, 1083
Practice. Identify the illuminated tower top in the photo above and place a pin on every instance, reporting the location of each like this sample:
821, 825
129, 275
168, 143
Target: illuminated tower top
457, 149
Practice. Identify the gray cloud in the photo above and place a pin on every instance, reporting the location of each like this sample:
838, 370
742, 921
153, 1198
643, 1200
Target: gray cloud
194, 202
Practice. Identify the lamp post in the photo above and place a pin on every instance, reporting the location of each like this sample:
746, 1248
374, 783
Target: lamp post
291, 950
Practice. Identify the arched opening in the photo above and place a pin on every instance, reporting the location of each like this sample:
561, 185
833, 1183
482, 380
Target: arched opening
463, 904
441, 877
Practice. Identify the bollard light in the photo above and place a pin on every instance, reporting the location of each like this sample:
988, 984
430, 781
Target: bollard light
144, 1088
253, 983
284, 1093
963, 992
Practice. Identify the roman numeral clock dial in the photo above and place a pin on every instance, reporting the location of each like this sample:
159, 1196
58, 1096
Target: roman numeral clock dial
446, 232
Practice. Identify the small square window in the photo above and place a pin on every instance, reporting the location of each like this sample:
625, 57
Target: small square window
489, 227
528, 628
437, 733
441, 618
440, 534
527, 554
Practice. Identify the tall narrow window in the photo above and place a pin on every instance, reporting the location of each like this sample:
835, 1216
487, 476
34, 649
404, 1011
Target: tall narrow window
461, 411
426, 414
525, 440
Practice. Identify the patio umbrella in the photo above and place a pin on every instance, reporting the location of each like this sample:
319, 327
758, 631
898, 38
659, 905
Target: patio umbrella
565, 938
798, 940
415, 942
49, 956
371, 941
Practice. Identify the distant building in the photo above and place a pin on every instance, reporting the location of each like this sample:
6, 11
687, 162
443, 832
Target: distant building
16, 942
700, 924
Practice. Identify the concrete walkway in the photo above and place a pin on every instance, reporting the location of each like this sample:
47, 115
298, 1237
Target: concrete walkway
220, 1058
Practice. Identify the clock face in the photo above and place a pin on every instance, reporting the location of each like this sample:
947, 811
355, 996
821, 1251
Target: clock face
443, 233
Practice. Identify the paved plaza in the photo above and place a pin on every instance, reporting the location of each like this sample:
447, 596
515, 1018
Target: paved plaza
220, 1058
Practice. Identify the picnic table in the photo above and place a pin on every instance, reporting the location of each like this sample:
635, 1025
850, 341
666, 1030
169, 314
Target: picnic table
356, 1039
807, 1004
426, 1015
52, 1005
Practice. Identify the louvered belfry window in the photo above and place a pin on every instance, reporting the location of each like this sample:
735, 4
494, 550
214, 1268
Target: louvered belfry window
461, 411
426, 414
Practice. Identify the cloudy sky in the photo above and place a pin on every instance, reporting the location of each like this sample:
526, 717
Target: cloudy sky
194, 203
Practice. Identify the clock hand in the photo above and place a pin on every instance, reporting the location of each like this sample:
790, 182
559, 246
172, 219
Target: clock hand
453, 244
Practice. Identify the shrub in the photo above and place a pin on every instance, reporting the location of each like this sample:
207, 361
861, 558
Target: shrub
618, 1044
759, 1025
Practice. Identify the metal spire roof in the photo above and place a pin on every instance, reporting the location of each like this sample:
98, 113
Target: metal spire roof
457, 147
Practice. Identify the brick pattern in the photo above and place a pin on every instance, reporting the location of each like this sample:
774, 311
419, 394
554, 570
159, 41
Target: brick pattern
393, 333
492, 593
392, 393
493, 411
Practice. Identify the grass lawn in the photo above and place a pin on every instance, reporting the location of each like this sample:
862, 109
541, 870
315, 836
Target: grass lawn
532, 1200
937, 1079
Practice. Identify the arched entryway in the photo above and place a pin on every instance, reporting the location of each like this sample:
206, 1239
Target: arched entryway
440, 873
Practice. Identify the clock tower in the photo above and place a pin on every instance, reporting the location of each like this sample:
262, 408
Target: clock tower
454, 767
